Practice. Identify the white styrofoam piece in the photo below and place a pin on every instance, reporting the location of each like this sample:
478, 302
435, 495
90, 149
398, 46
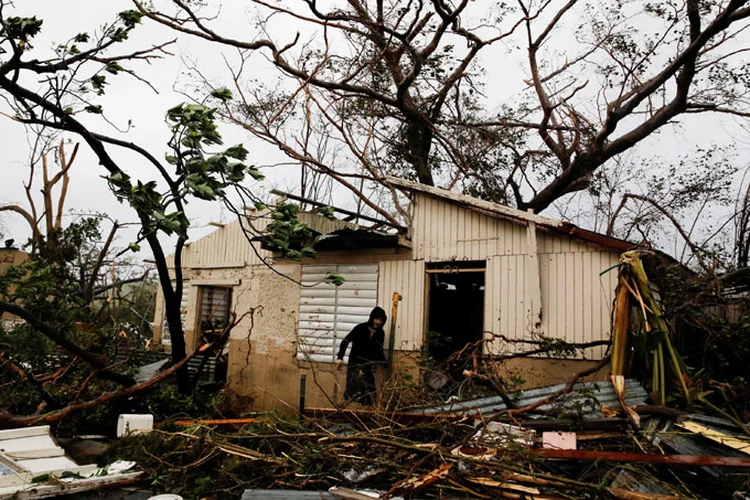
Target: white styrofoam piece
37, 465
136, 423
27, 443
40, 430
36, 453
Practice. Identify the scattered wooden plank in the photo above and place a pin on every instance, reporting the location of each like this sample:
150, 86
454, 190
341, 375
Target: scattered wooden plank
36, 491
415, 483
621, 494
224, 421
491, 483
617, 456
735, 442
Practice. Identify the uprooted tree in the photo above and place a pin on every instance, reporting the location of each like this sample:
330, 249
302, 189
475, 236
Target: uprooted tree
61, 94
369, 88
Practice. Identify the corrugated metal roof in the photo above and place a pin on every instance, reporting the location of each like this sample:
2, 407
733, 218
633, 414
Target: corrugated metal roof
586, 397
147, 372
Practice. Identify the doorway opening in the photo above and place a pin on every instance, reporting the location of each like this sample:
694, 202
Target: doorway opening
456, 312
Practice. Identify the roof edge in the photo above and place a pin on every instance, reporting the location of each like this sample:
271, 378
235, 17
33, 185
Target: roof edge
514, 215
503, 211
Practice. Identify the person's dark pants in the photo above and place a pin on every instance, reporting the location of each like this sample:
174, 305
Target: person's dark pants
360, 384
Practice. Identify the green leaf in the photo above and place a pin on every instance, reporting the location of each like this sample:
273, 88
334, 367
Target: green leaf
293, 254
22, 28
203, 191
98, 82
327, 212
236, 172
238, 152
81, 38
334, 279
133, 246
255, 174
223, 94
130, 18
95, 109
113, 68
119, 35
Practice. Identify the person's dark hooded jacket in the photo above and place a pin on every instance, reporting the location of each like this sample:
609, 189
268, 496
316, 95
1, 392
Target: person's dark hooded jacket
366, 348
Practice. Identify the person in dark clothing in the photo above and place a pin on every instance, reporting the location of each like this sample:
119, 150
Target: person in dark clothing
367, 351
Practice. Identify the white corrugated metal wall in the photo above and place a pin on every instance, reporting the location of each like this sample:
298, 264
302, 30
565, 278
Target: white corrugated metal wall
227, 246
406, 277
442, 231
576, 301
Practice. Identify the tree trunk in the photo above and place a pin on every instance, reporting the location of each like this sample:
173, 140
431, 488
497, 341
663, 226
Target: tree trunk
179, 350
418, 142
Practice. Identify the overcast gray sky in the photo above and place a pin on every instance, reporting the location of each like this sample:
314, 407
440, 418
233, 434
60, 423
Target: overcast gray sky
129, 99
126, 99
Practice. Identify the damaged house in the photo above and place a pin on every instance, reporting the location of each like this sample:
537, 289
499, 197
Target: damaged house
465, 269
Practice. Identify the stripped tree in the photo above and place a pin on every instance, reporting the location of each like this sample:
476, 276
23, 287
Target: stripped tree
369, 88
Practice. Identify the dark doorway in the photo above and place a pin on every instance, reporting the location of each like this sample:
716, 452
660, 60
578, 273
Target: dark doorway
456, 305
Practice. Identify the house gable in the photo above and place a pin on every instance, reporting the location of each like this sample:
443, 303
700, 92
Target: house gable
575, 296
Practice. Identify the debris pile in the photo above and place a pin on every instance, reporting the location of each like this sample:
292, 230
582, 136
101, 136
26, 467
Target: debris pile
32, 465
435, 453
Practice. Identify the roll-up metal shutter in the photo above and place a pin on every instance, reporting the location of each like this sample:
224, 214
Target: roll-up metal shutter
166, 339
328, 313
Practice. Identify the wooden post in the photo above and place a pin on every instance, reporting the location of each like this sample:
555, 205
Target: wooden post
392, 336
302, 390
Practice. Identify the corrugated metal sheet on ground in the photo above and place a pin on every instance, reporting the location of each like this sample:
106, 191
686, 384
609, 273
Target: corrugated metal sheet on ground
296, 494
688, 443
150, 363
588, 397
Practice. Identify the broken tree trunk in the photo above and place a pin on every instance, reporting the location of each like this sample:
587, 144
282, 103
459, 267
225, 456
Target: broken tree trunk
633, 269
